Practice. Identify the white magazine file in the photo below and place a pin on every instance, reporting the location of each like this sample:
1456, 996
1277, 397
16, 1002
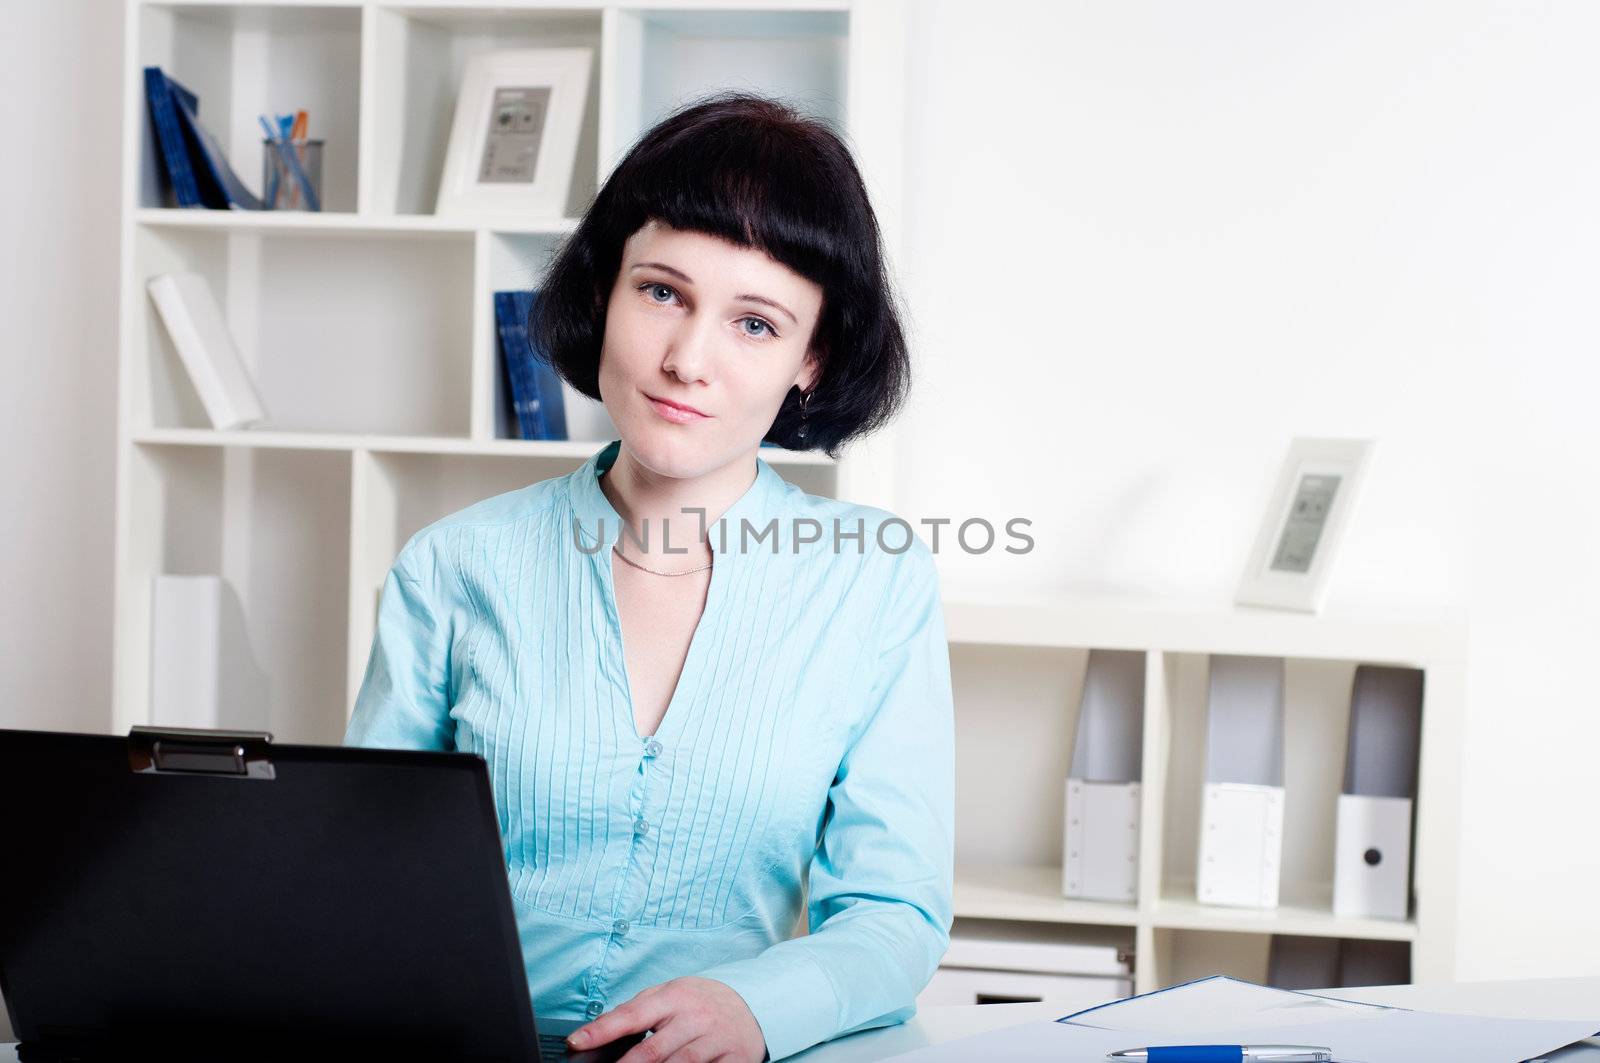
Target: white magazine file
1100, 845
1241, 818
1372, 841
203, 672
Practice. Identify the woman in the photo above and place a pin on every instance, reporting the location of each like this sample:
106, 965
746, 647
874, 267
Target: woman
755, 703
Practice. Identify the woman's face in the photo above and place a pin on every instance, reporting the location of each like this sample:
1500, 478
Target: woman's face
705, 324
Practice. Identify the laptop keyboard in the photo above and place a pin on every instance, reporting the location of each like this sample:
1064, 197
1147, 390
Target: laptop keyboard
552, 1047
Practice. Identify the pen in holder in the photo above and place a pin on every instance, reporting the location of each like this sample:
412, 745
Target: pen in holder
291, 174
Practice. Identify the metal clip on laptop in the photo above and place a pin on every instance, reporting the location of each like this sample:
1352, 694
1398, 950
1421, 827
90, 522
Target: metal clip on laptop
195, 751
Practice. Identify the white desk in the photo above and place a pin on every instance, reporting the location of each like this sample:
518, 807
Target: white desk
1554, 998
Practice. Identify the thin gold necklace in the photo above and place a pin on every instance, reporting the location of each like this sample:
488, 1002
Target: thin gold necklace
616, 548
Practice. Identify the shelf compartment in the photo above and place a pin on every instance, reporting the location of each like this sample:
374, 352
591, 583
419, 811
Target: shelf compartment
250, 59
418, 55
274, 525
519, 262
340, 334
1179, 955
664, 59
1012, 810
1174, 957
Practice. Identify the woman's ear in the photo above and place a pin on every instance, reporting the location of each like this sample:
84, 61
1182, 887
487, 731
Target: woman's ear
810, 372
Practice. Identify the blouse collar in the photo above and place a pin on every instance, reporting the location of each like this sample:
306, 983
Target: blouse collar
759, 505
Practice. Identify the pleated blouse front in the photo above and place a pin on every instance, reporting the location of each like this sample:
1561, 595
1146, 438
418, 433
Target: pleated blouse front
805, 761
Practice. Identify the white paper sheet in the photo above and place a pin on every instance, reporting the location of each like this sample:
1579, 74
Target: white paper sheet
1585, 1051
1219, 1004
1228, 1011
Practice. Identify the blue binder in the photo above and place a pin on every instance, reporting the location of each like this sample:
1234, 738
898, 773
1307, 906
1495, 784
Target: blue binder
161, 92
535, 386
195, 163
221, 188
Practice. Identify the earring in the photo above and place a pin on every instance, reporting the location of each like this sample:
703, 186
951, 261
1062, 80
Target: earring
800, 433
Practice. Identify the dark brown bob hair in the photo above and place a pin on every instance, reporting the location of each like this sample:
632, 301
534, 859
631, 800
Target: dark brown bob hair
757, 173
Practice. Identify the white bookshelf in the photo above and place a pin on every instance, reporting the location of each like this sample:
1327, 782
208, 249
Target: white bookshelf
1018, 664
368, 329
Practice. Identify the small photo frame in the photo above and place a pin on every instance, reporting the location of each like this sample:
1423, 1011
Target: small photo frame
1295, 549
515, 136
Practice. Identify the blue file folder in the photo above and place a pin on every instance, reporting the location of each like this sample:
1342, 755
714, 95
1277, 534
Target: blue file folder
535, 386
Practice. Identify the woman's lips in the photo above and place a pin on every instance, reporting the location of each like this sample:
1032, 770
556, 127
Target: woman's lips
675, 414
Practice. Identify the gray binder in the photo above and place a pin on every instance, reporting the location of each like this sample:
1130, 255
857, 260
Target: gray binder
1241, 826
1100, 847
1373, 843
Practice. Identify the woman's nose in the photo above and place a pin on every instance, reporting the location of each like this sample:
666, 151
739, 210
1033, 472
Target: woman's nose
692, 349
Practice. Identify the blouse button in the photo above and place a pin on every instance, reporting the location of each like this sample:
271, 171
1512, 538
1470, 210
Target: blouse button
652, 748
640, 827
620, 927
594, 1008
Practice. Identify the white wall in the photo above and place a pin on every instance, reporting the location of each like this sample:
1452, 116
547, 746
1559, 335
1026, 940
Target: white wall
60, 94
1151, 241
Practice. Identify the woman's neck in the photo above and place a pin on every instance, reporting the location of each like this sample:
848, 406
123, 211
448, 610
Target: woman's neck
661, 511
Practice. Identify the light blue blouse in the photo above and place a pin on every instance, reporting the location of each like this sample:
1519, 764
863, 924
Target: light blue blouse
805, 761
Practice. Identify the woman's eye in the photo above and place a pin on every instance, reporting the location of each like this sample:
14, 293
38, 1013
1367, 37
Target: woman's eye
766, 329
652, 287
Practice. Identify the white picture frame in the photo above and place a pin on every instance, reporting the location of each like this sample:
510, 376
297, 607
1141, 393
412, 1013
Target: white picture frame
1317, 490
518, 115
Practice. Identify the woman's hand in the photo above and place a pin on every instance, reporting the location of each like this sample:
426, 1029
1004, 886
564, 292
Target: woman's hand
696, 1020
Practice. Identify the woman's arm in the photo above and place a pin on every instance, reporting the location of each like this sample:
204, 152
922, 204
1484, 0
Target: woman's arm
879, 893
404, 701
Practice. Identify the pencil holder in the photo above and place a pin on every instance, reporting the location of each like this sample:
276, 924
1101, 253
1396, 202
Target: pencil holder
282, 187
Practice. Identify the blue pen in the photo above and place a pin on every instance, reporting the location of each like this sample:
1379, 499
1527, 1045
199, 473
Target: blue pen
1225, 1054
272, 176
291, 163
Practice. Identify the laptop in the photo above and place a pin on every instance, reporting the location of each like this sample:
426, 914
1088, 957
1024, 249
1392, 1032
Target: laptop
184, 894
